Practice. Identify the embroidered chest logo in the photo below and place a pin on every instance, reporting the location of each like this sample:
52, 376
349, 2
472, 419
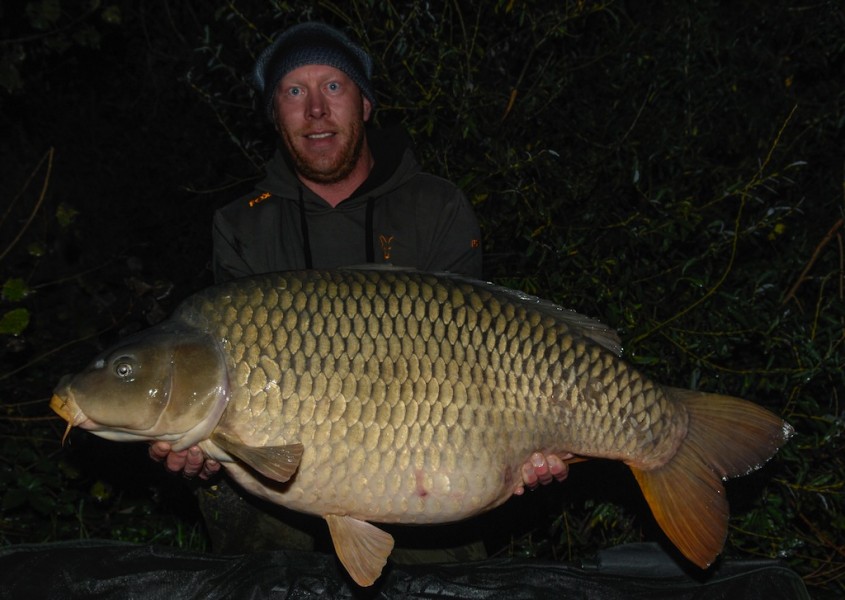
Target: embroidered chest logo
258, 199
386, 243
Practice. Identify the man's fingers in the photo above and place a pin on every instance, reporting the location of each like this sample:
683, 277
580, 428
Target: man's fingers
529, 480
541, 468
190, 462
175, 461
159, 451
529, 475
193, 462
209, 468
558, 469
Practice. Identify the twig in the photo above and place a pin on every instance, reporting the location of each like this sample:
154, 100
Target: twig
716, 286
743, 197
819, 247
52, 32
841, 268
37, 204
51, 352
23, 189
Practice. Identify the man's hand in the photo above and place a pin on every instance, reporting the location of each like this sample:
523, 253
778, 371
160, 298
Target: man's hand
542, 469
190, 462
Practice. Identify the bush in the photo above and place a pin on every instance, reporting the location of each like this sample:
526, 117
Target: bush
670, 168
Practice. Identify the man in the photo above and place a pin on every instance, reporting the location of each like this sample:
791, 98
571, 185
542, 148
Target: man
336, 194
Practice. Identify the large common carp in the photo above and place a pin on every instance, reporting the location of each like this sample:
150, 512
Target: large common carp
403, 397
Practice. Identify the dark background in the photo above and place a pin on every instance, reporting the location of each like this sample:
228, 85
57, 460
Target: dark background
674, 169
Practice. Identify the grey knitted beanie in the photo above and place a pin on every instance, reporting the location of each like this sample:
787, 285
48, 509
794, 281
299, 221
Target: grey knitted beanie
310, 44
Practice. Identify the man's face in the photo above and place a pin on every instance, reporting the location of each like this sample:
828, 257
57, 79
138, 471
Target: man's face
320, 114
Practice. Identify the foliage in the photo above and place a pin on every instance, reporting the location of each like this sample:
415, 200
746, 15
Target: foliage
671, 168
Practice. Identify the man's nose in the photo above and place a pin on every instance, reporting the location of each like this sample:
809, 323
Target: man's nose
317, 105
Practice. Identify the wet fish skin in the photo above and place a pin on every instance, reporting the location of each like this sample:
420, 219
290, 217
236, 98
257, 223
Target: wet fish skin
368, 382
414, 398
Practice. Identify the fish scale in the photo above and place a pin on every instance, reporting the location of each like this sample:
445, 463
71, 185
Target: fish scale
371, 325
396, 396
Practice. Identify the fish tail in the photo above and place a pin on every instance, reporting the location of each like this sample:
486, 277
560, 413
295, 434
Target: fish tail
726, 437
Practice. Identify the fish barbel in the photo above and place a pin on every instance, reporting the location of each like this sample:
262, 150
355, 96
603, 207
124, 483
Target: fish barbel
403, 397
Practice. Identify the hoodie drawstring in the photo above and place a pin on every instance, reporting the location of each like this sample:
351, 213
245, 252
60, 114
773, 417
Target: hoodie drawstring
368, 231
303, 224
369, 247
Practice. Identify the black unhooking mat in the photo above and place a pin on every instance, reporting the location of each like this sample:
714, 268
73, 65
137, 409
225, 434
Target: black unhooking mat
105, 570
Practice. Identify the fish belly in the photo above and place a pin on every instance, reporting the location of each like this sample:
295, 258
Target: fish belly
422, 474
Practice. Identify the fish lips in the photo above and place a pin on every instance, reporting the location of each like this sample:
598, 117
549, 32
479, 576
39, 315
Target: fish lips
64, 406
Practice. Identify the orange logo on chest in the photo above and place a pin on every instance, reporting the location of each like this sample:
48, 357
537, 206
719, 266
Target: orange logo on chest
386, 243
258, 199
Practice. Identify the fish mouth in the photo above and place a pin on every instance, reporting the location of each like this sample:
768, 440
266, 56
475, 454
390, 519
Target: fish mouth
69, 410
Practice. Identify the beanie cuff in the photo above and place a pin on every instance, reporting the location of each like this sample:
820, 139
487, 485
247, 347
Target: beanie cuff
310, 44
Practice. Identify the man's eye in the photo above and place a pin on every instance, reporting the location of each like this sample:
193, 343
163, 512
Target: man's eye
294, 91
333, 86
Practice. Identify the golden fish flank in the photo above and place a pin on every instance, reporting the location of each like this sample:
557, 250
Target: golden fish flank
392, 396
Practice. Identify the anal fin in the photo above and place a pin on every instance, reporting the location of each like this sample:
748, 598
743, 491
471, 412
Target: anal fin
362, 547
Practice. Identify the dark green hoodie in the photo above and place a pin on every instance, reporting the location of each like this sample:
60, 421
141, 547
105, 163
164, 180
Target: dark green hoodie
398, 216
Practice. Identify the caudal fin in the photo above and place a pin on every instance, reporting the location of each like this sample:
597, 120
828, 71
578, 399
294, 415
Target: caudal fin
727, 437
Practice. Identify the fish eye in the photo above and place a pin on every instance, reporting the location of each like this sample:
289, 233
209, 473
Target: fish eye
123, 369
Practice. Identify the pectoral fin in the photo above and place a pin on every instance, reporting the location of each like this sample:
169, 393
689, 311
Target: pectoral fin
362, 548
276, 462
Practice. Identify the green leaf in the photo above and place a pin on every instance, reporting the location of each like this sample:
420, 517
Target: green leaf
15, 289
66, 214
36, 249
43, 14
10, 76
101, 491
87, 36
42, 503
112, 15
14, 321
